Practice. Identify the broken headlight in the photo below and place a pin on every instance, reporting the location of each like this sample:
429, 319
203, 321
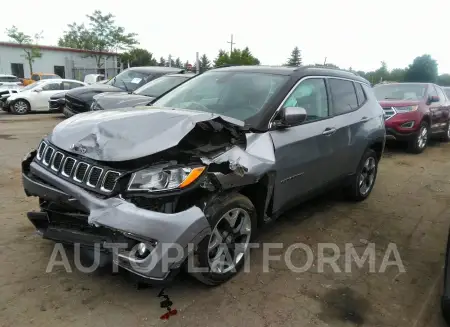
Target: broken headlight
164, 179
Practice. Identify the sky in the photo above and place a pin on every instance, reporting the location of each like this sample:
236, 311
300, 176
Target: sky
349, 33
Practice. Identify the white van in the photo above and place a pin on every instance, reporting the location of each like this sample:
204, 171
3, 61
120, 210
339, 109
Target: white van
93, 78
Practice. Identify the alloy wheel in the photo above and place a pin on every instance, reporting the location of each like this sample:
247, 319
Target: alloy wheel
423, 137
229, 241
367, 176
20, 107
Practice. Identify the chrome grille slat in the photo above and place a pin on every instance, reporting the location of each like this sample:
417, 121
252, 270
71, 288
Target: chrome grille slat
57, 161
41, 150
389, 112
69, 161
107, 178
48, 154
93, 181
98, 179
81, 165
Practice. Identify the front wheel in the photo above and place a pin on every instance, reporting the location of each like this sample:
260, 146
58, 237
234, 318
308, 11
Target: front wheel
222, 254
362, 183
420, 141
20, 107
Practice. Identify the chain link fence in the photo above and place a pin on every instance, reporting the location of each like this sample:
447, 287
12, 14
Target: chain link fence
80, 68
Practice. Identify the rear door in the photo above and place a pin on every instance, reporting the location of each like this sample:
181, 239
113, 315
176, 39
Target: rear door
303, 153
351, 116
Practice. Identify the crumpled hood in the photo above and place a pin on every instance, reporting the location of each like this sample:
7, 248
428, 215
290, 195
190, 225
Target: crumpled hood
131, 133
120, 100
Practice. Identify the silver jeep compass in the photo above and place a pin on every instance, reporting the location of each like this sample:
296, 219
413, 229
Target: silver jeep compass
191, 178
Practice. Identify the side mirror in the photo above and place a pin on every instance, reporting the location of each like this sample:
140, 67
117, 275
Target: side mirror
38, 89
433, 98
291, 116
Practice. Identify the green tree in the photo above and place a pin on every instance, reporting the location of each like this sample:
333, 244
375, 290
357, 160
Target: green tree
162, 62
423, 69
237, 57
397, 75
30, 48
138, 57
178, 63
205, 64
102, 35
295, 59
444, 80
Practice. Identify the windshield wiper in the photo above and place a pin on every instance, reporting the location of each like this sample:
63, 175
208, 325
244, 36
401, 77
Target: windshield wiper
126, 88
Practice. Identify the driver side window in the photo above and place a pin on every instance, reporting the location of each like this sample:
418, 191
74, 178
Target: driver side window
311, 94
51, 87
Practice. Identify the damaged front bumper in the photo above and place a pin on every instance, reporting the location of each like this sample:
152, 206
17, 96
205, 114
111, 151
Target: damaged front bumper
167, 233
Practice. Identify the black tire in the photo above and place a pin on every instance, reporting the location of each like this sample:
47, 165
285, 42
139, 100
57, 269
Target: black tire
354, 190
414, 145
214, 212
20, 107
446, 136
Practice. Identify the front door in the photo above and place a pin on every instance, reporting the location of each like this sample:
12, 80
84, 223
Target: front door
49, 89
303, 152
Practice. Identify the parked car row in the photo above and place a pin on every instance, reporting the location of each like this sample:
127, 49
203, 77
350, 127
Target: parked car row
36, 96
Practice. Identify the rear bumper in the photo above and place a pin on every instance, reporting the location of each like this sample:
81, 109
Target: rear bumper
167, 232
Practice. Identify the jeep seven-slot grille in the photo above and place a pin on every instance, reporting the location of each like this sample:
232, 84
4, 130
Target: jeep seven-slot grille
82, 173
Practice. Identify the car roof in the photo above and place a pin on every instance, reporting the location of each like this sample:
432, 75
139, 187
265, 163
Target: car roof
6, 75
156, 69
299, 72
53, 80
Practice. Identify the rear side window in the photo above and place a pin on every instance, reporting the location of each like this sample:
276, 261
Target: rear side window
344, 96
360, 94
35, 77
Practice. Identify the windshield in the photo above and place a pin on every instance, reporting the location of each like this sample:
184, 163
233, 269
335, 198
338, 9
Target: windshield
160, 85
235, 94
130, 80
400, 92
32, 86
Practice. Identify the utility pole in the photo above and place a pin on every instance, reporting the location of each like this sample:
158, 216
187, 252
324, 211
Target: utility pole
170, 61
325, 61
231, 44
197, 63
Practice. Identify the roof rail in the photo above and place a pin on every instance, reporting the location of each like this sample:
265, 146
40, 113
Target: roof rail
328, 67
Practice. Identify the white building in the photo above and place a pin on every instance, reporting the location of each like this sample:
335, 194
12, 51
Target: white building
65, 62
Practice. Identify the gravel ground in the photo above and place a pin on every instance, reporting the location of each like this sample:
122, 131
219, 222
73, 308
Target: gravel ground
408, 207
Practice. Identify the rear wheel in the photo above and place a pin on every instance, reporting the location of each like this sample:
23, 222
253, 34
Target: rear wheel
362, 183
222, 254
20, 107
446, 136
420, 141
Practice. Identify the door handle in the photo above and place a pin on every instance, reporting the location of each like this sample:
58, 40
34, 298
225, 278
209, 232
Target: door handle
329, 131
365, 119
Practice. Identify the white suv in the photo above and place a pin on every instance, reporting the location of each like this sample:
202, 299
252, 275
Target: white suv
34, 97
